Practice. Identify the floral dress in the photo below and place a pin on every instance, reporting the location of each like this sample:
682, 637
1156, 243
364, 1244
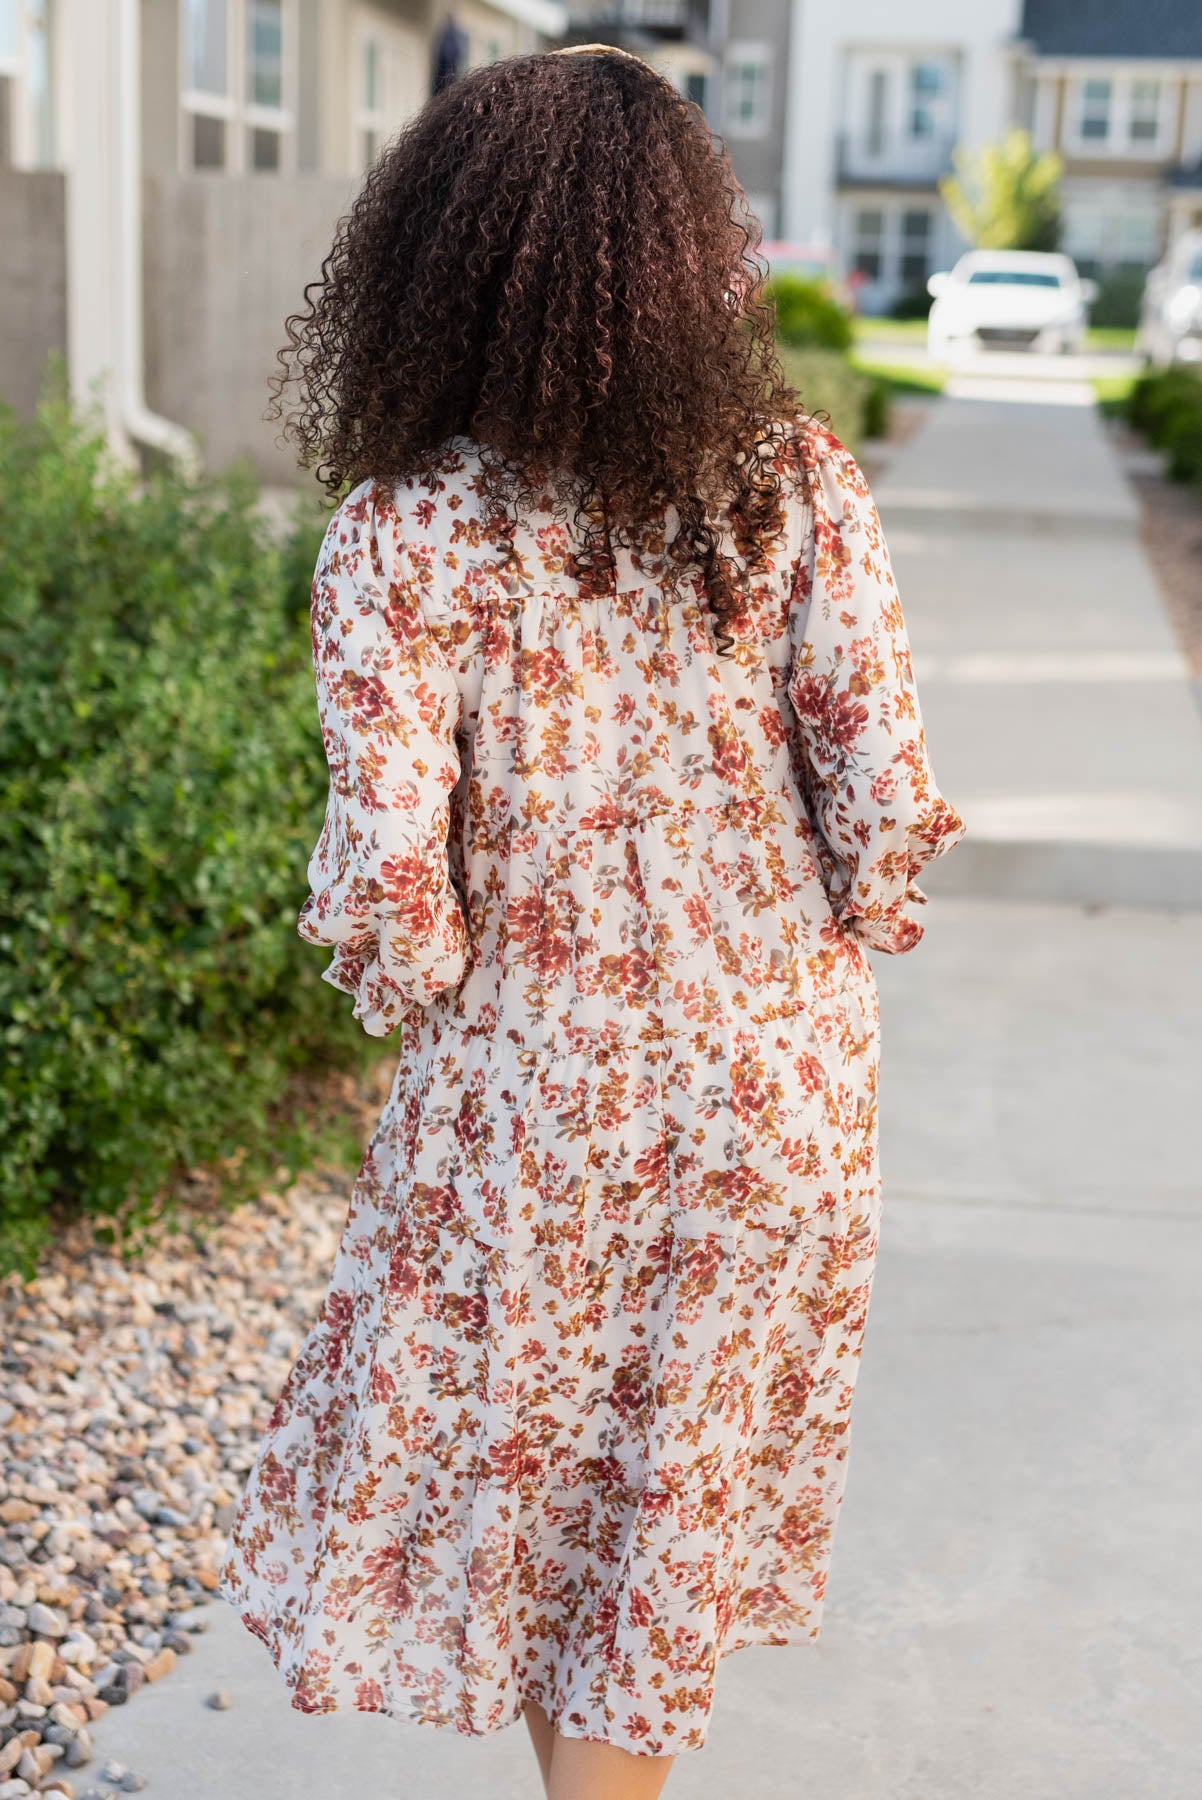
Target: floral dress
572, 1423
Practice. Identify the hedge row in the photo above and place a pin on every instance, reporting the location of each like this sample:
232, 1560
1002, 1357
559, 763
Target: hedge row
161, 786
857, 404
1166, 405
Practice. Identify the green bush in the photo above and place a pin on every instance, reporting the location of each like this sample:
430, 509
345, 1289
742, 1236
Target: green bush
915, 303
1183, 441
808, 315
829, 385
1117, 304
878, 409
162, 786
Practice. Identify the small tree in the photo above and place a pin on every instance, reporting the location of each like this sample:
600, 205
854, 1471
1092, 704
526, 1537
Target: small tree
1006, 196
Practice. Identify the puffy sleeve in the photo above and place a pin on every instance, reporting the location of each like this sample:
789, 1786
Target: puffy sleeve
381, 894
870, 783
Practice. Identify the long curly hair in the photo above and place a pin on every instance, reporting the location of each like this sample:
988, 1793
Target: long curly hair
554, 260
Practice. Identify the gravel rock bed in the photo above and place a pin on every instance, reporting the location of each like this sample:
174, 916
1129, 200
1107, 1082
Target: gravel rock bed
135, 1393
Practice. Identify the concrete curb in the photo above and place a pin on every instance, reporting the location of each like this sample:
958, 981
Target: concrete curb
1081, 874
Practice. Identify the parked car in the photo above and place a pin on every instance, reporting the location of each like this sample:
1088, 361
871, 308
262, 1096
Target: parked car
1010, 300
1170, 313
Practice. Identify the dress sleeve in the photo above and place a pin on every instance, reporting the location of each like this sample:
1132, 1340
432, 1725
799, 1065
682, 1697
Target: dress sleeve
851, 686
381, 891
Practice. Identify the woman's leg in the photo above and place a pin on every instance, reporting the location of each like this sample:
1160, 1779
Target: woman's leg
581, 1770
542, 1736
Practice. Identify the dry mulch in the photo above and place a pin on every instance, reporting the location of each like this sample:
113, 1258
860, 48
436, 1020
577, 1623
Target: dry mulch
1171, 530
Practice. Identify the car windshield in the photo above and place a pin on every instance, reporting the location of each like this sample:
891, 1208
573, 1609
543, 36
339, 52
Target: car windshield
1194, 272
1013, 278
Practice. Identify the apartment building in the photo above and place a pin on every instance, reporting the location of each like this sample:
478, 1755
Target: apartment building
171, 172
752, 104
879, 97
680, 38
1116, 88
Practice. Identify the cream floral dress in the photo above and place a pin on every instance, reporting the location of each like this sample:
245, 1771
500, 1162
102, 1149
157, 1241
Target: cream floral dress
572, 1423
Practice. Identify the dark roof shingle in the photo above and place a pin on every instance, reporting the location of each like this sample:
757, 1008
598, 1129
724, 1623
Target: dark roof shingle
1159, 29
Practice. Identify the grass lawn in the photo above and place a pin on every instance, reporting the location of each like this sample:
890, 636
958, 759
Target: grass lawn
914, 331
1113, 391
906, 379
897, 331
1110, 337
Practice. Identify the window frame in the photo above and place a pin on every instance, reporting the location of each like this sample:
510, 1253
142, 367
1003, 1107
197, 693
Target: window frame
934, 104
1118, 140
240, 115
33, 118
743, 54
369, 120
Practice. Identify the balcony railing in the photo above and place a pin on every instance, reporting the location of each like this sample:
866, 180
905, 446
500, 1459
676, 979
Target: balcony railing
892, 159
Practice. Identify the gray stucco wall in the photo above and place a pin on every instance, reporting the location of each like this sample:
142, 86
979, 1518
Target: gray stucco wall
226, 261
757, 161
33, 280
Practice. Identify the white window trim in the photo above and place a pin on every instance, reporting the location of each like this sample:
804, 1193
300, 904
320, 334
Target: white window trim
364, 118
940, 105
239, 115
754, 51
1118, 142
16, 68
891, 241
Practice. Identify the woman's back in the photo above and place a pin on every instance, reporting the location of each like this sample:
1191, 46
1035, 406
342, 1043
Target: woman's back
572, 1424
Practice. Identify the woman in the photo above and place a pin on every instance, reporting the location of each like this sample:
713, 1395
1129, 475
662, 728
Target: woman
627, 772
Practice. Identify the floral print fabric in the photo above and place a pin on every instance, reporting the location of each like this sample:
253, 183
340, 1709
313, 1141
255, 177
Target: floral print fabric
572, 1424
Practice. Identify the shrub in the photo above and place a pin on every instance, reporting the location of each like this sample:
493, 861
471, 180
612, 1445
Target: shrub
162, 786
828, 384
915, 303
1158, 394
878, 408
1117, 304
808, 315
1183, 441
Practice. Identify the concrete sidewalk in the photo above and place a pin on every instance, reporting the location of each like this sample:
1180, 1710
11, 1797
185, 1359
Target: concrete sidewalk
1018, 1579
1061, 717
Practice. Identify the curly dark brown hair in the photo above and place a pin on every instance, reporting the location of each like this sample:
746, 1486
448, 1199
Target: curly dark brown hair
555, 260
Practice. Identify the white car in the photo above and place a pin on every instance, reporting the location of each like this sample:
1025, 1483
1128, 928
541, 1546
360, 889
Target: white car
1170, 314
1009, 300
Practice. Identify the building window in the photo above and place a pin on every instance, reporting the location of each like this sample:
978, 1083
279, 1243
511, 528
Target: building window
265, 85
235, 48
878, 99
869, 249
206, 40
917, 226
265, 54
208, 142
1143, 119
10, 67
371, 115
1137, 240
696, 87
926, 91
1096, 98
26, 116
748, 90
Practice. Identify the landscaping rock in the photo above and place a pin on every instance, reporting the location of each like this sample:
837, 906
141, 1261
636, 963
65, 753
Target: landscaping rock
136, 1391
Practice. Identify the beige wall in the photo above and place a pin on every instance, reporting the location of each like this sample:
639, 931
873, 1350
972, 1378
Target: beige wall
33, 280
226, 261
160, 84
